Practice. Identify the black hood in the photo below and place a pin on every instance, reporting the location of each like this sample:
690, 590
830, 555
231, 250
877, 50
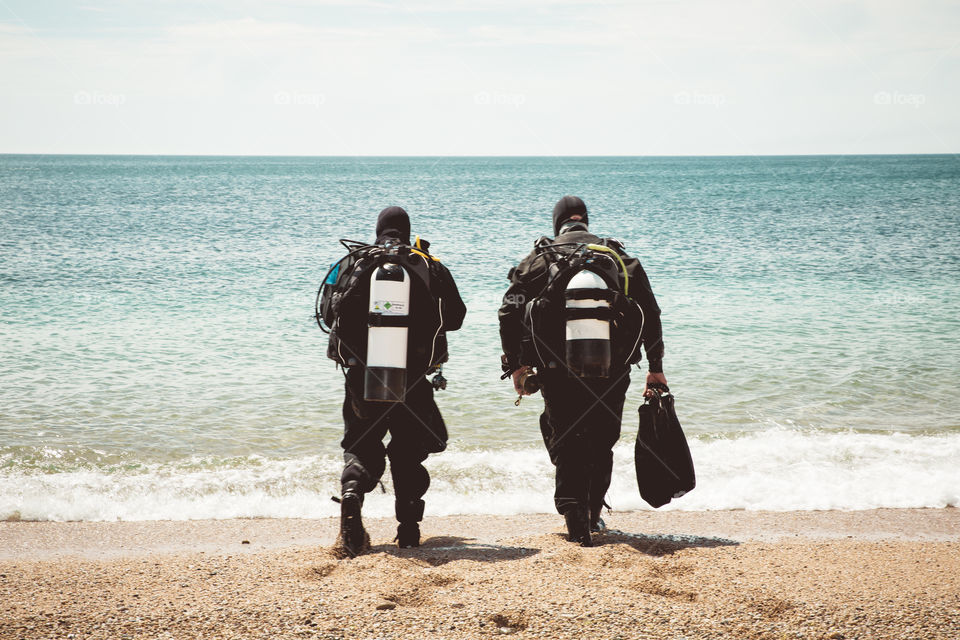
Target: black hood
566, 207
393, 223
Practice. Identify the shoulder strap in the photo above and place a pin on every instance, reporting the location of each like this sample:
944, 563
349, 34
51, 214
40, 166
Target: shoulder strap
615, 244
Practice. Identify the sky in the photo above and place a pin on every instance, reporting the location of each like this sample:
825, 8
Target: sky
479, 77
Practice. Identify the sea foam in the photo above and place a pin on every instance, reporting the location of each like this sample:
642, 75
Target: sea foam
777, 469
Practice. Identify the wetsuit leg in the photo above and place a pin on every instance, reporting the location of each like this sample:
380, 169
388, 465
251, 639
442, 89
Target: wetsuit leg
607, 424
365, 425
564, 412
580, 425
416, 431
410, 481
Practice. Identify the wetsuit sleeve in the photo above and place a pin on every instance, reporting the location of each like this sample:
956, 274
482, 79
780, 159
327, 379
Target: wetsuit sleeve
526, 281
652, 334
454, 310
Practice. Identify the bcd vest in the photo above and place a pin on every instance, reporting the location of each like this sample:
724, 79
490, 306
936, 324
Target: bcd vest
345, 307
582, 320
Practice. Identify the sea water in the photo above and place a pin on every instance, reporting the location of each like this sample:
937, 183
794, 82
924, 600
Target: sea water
160, 357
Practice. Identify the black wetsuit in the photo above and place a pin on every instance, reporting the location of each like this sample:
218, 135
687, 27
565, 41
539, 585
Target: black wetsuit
415, 425
580, 423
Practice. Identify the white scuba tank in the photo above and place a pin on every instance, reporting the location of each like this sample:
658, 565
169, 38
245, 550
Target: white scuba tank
588, 338
387, 332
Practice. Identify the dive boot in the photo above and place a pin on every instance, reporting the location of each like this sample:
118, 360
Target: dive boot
353, 537
408, 535
597, 525
409, 515
578, 526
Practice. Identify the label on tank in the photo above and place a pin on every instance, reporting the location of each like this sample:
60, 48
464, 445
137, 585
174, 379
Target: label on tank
390, 307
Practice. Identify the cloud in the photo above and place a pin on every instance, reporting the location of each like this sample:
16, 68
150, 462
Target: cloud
580, 36
651, 77
9, 29
252, 31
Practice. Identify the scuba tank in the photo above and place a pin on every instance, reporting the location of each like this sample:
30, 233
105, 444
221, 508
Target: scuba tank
388, 325
588, 325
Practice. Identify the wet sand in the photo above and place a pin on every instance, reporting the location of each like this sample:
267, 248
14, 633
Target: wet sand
871, 574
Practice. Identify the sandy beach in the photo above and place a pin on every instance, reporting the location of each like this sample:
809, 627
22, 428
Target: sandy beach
868, 574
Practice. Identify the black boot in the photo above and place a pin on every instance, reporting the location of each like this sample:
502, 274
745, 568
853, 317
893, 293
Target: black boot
409, 515
353, 537
408, 535
578, 525
597, 525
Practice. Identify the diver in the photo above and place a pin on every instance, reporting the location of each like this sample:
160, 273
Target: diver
388, 307
571, 324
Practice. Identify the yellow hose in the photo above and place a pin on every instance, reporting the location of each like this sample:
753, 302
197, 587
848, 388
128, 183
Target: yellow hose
425, 256
623, 267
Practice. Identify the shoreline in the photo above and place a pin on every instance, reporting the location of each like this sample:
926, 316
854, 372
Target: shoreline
45, 539
832, 575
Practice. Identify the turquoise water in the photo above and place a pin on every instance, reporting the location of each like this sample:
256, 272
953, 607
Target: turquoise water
160, 359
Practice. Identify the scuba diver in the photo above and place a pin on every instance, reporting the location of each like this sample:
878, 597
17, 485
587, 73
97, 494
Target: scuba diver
387, 307
571, 325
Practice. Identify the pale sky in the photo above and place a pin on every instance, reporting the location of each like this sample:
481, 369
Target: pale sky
485, 77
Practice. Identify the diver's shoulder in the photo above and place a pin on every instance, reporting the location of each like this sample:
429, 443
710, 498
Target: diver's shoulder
577, 236
531, 262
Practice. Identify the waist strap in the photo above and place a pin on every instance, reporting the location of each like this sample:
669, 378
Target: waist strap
595, 313
381, 320
589, 294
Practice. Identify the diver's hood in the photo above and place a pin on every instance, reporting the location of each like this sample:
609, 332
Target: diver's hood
565, 208
393, 223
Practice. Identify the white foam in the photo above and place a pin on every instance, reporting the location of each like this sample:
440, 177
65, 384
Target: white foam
782, 469
777, 469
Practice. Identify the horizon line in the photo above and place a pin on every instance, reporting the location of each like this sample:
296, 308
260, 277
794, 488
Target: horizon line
360, 156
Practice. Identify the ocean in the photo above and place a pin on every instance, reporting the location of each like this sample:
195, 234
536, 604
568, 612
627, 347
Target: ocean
160, 358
